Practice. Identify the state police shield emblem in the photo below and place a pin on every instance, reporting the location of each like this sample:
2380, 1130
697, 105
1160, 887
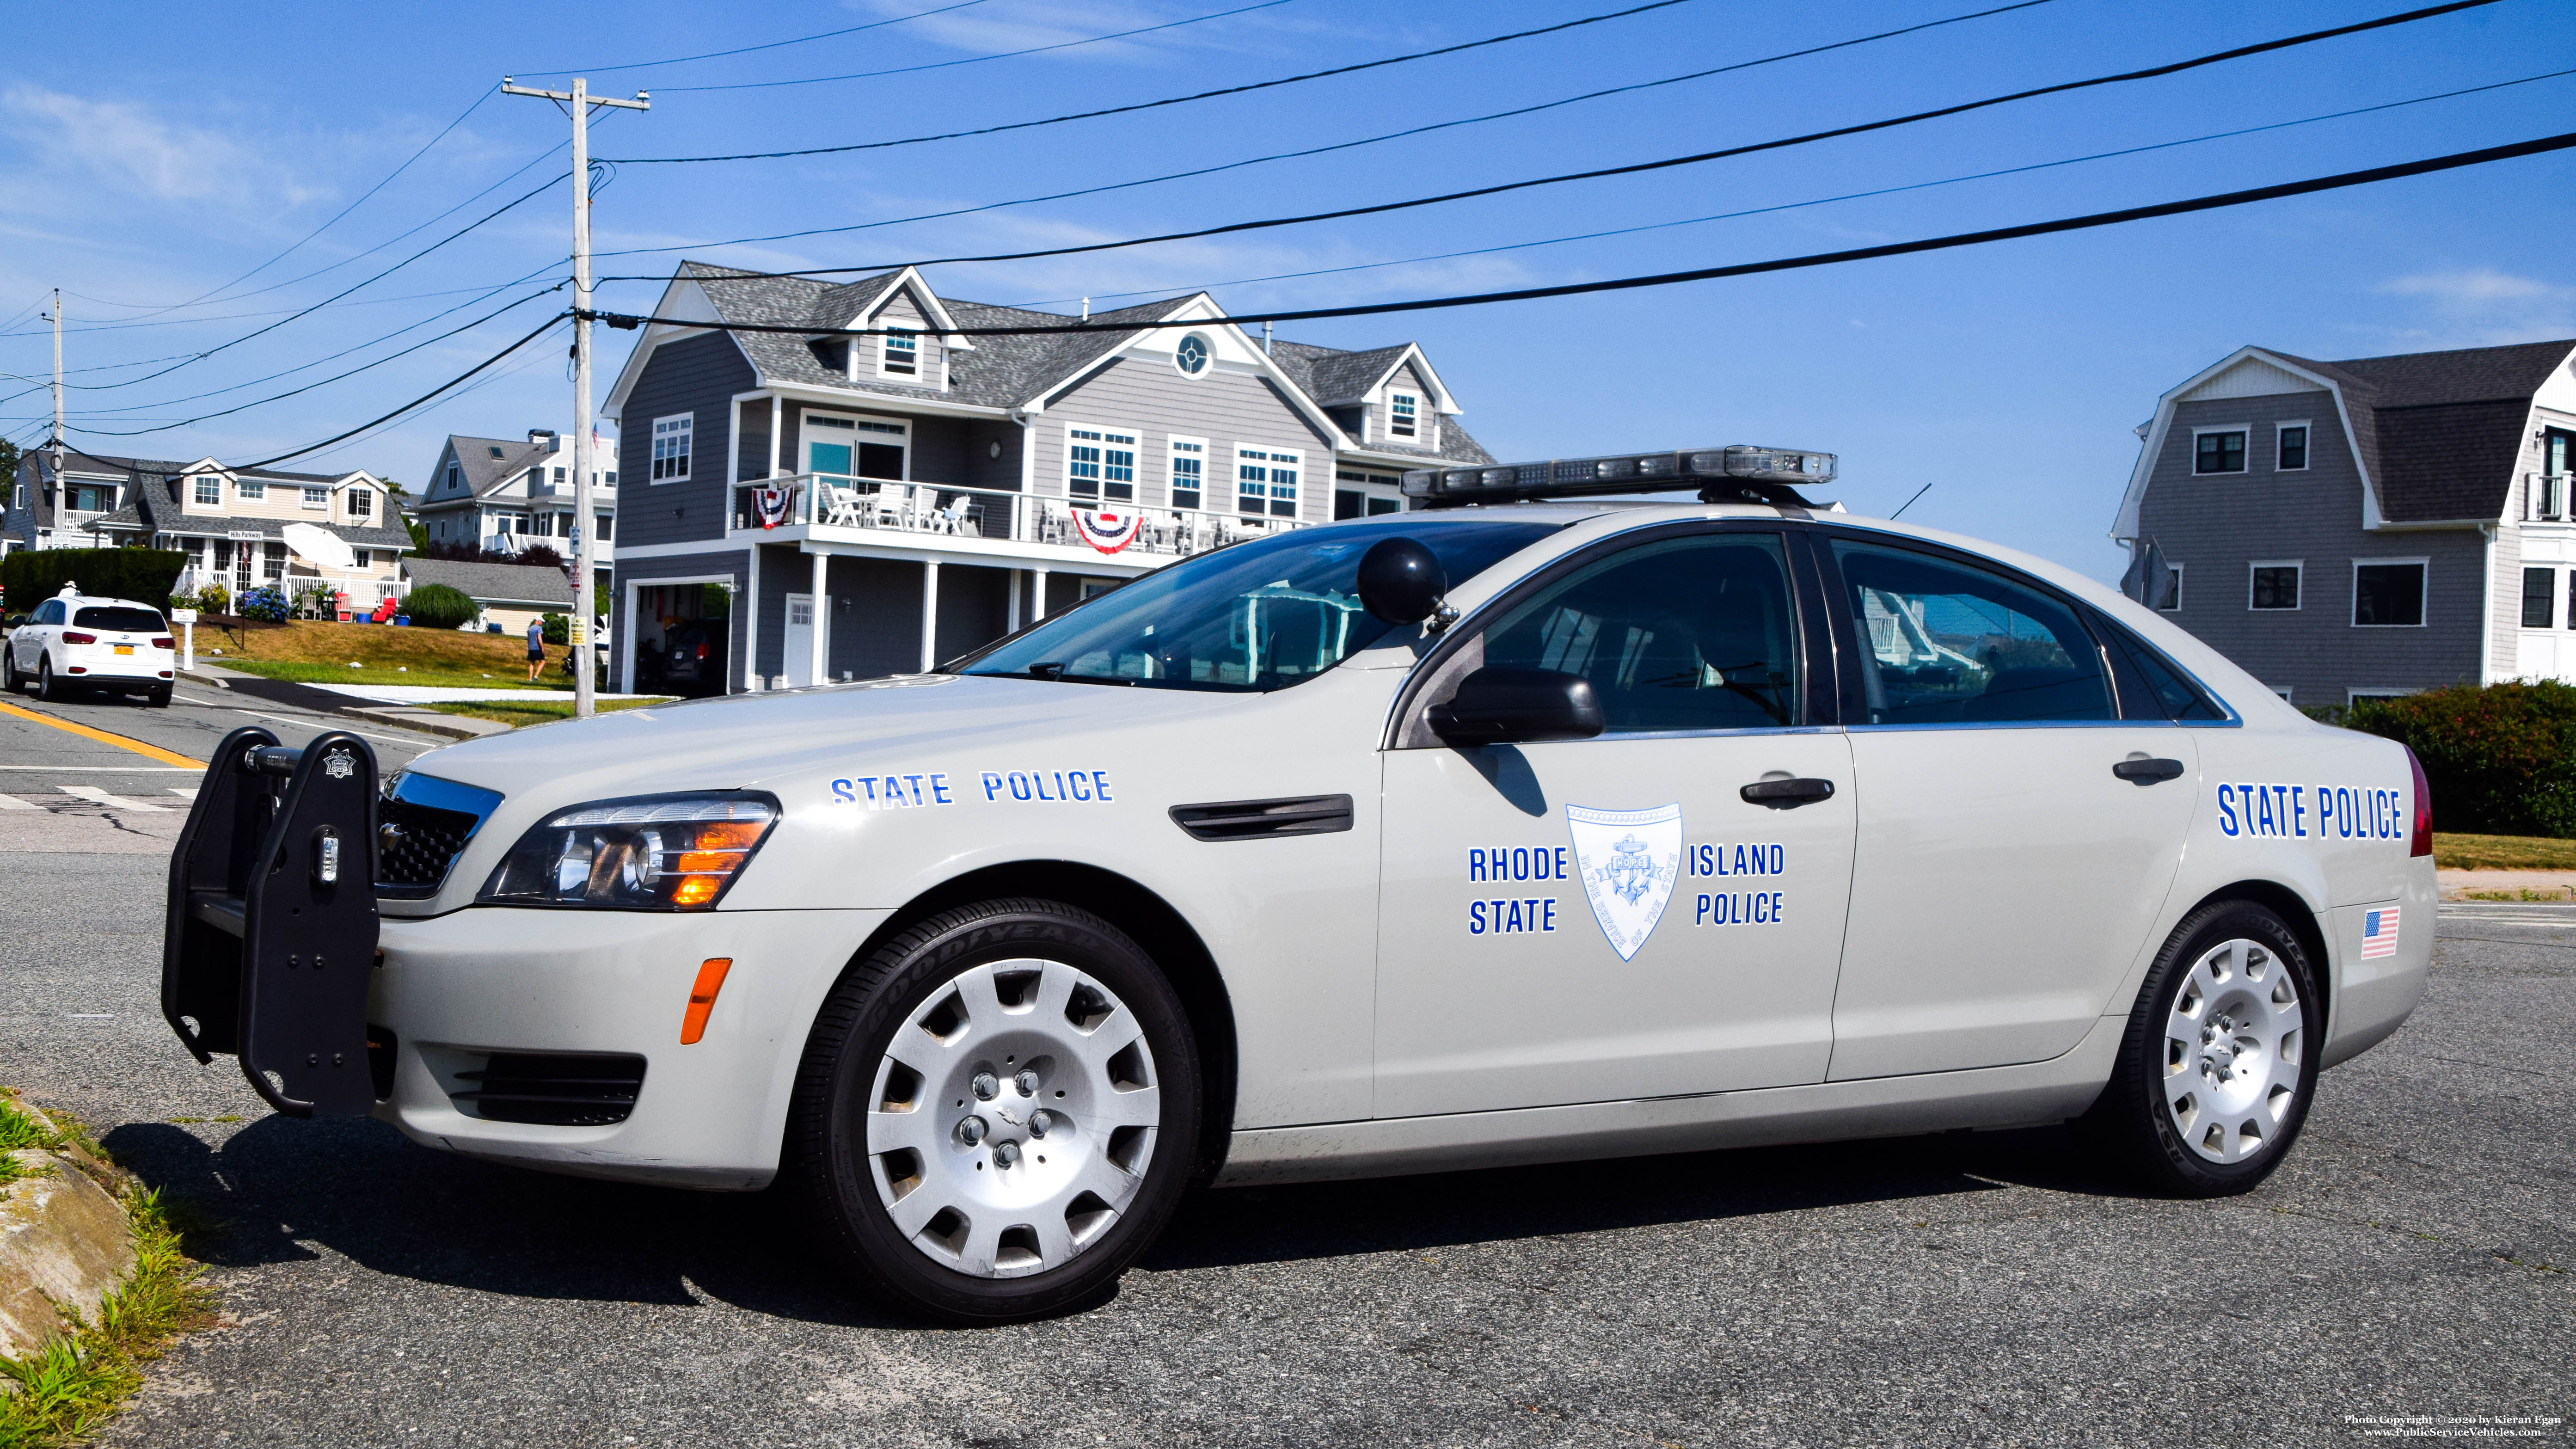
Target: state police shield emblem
1629, 859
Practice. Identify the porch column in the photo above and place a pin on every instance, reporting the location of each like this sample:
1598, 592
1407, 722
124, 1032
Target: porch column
750, 611
929, 616
818, 671
1011, 610
1037, 610
777, 424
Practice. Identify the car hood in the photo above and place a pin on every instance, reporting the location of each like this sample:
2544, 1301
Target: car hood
743, 741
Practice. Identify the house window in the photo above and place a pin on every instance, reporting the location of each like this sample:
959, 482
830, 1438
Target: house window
2171, 603
455, 476
671, 447
317, 498
2276, 586
1364, 495
1189, 470
2217, 452
2539, 597
207, 489
1265, 481
609, 479
92, 497
2388, 595
496, 452
1400, 415
1100, 465
2293, 448
366, 557
607, 526
902, 355
559, 477
362, 503
250, 490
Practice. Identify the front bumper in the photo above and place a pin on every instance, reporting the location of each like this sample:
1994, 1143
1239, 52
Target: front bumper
455, 989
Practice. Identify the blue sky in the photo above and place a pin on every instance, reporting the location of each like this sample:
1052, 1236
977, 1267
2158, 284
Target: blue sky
161, 152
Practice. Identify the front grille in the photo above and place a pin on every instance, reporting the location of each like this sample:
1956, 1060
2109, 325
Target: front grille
422, 824
560, 1090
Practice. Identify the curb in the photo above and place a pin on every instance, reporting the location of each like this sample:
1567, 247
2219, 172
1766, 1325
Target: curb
65, 1244
430, 722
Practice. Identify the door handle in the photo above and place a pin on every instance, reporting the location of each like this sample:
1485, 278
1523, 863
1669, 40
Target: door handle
2147, 772
1787, 794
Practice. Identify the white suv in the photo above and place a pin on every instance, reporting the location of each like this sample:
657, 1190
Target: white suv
74, 642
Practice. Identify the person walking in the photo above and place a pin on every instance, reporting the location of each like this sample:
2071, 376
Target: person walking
536, 649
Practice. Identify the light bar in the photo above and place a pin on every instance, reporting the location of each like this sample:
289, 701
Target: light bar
1707, 470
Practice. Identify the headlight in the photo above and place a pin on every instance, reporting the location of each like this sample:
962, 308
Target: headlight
657, 852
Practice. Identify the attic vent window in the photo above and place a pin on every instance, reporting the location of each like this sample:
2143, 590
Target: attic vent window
902, 355
1193, 355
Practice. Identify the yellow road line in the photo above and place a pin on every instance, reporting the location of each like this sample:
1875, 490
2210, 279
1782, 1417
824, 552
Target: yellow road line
121, 742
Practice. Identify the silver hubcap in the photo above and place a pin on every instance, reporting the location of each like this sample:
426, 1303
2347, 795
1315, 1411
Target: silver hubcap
1012, 1118
2232, 1048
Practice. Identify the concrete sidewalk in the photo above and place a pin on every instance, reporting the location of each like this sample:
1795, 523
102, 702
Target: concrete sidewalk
2458, 885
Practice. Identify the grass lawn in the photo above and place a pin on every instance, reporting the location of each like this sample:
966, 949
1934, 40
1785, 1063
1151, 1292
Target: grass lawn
309, 651
535, 711
2502, 852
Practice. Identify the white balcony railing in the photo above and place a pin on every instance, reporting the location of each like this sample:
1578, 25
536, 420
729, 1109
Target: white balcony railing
2545, 497
944, 510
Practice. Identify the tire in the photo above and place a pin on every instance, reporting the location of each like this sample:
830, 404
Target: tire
48, 688
9, 676
954, 1210
158, 697
2219, 1064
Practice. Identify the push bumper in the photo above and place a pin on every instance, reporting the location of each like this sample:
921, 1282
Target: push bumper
454, 992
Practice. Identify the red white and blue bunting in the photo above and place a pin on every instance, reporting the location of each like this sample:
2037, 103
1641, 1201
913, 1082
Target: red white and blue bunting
1108, 530
773, 503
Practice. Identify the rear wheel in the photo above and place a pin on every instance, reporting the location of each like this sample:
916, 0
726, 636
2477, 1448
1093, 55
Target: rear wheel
158, 696
48, 688
2220, 1061
996, 1112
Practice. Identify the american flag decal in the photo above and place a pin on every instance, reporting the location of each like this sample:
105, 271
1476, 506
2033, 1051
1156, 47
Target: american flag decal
2379, 932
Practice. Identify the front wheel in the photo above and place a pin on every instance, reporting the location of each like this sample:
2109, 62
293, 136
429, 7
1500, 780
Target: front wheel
997, 1112
9, 677
2219, 1063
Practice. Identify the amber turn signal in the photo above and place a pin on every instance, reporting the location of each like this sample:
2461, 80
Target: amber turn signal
702, 998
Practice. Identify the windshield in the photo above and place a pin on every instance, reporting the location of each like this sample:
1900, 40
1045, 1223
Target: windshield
1257, 616
123, 621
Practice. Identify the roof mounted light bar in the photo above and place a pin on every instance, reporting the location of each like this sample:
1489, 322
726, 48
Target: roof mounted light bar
1742, 473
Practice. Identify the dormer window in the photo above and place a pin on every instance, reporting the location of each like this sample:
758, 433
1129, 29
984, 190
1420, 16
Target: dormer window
902, 355
362, 503
1400, 415
207, 489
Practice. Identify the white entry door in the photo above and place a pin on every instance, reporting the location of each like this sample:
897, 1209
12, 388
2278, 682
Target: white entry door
800, 640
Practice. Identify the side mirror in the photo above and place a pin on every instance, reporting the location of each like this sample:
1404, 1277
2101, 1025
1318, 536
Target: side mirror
1500, 705
1401, 581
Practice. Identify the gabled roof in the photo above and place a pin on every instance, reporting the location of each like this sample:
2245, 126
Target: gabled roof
482, 470
999, 372
494, 583
2437, 435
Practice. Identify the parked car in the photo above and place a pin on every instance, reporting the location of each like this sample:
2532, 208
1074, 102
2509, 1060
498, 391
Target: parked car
76, 642
1534, 827
690, 661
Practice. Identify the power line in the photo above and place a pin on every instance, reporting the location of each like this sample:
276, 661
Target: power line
1463, 121
748, 49
541, 328
1798, 205
1742, 269
1289, 80
1633, 168
324, 382
816, 80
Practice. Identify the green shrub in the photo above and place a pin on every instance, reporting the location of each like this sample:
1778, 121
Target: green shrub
2500, 759
31, 576
436, 606
555, 628
214, 599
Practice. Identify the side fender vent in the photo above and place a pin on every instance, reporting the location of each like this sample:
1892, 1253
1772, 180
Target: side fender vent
1265, 819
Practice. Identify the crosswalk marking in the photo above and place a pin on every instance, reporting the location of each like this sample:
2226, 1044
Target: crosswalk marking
188, 793
12, 802
95, 795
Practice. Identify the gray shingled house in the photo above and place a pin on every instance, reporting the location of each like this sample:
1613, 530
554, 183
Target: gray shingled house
873, 505
503, 494
2369, 527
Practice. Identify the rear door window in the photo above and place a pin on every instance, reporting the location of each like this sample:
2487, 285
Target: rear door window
1943, 642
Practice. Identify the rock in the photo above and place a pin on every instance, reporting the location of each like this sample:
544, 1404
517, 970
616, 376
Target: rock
64, 1244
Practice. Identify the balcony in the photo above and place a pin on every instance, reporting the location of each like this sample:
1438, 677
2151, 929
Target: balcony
932, 514
2545, 498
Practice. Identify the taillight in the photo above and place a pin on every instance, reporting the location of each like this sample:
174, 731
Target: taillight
2423, 807
702, 651
71, 638
165, 643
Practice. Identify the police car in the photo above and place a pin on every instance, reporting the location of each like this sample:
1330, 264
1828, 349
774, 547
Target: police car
1532, 825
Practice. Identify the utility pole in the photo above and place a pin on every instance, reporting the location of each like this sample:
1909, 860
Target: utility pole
56, 316
578, 102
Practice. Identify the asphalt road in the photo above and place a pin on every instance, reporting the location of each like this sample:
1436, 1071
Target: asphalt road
2413, 1257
